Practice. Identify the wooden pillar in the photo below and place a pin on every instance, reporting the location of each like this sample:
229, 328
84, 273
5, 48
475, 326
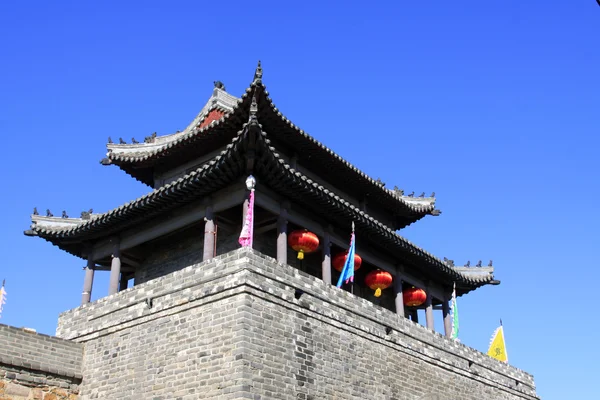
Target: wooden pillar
88, 281
115, 268
326, 260
282, 234
429, 311
446, 314
209, 234
399, 300
123, 282
414, 316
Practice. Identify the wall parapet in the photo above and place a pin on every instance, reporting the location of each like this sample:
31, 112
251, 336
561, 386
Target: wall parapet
37, 363
245, 271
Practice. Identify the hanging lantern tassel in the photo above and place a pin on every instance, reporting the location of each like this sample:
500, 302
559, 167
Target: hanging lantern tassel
378, 280
303, 241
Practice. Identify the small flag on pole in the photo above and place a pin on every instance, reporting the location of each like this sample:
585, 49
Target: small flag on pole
2, 296
454, 314
497, 348
347, 274
247, 233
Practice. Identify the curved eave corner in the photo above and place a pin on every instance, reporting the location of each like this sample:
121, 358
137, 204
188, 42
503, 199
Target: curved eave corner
154, 146
420, 206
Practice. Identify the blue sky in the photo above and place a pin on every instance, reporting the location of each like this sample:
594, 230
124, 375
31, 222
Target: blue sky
492, 105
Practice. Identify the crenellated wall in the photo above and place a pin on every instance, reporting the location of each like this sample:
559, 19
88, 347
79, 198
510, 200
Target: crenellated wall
243, 326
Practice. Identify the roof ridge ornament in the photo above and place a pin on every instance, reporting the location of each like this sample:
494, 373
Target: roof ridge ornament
258, 73
253, 111
219, 85
151, 138
87, 214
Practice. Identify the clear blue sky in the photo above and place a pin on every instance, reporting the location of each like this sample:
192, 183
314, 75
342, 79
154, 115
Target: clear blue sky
492, 105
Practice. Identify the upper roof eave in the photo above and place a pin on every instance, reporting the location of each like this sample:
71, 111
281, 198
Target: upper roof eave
419, 205
305, 190
161, 145
132, 154
189, 186
184, 189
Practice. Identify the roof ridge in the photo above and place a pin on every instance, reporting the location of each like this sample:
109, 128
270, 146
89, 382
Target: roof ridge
118, 211
366, 218
157, 143
403, 199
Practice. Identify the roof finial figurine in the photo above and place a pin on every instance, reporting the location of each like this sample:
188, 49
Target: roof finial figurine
478, 264
412, 194
258, 73
253, 120
151, 138
64, 214
134, 141
398, 191
468, 264
121, 141
490, 264
253, 106
35, 211
109, 140
219, 85
432, 194
449, 262
48, 213
380, 182
86, 214
422, 194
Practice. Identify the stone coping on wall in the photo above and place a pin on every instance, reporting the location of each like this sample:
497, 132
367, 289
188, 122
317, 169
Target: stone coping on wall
22, 349
248, 271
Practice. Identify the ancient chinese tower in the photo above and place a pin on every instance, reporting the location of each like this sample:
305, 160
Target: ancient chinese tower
190, 314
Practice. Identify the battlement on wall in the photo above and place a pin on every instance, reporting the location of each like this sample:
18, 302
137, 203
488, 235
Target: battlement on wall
38, 366
243, 324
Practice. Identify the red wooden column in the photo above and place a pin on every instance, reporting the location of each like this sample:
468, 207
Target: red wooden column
326, 260
282, 222
446, 313
209, 234
88, 281
115, 268
399, 300
429, 311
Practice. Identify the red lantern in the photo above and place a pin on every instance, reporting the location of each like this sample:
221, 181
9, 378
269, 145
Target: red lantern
414, 297
378, 280
303, 241
340, 259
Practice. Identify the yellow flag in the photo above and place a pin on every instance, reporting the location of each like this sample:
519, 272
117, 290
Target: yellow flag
497, 348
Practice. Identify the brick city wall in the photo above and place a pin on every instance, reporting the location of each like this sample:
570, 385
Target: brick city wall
243, 326
35, 366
